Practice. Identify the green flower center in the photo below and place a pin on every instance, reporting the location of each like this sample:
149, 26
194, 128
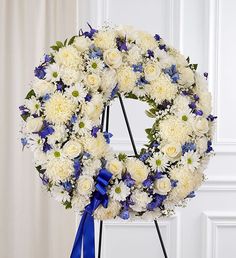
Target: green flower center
158, 162
184, 118
81, 125
189, 161
57, 154
55, 74
118, 190
75, 93
37, 106
94, 65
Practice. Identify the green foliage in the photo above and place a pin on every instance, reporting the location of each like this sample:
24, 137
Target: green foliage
122, 156
30, 94
25, 116
67, 205
131, 96
71, 41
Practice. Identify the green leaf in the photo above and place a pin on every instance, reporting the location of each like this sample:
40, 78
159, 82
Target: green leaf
25, 116
59, 44
65, 42
56, 48
122, 156
188, 59
71, 41
194, 66
131, 96
148, 130
67, 205
149, 114
30, 94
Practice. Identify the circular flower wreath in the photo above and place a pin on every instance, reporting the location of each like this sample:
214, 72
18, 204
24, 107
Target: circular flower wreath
62, 117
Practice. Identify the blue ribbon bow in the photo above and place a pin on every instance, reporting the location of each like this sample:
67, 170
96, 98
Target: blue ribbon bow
85, 231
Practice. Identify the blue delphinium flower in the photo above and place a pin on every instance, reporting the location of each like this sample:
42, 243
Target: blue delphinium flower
145, 156
24, 142
88, 97
199, 112
46, 147
157, 202
174, 183
124, 214
121, 44
157, 37
73, 119
137, 68
150, 53
192, 105
128, 180
45, 179
47, 130
39, 72
67, 186
95, 52
114, 91
211, 118
46, 97
60, 86
141, 81
209, 146
107, 136
147, 182
172, 72
188, 146
191, 195
90, 33
94, 131
163, 47
47, 58
77, 168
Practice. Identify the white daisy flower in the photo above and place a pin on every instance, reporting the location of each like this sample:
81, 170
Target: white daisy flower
33, 105
59, 194
186, 115
95, 65
35, 142
158, 162
76, 93
119, 192
53, 73
91, 167
82, 126
190, 160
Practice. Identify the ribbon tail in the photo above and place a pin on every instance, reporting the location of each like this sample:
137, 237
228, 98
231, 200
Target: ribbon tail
76, 251
88, 240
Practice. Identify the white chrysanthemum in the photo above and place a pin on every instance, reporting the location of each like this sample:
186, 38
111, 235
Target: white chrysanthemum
109, 80
137, 169
53, 73
180, 103
158, 162
119, 191
76, 93
59, 109
93, 81
110, 212
200, 125
134, 55
42, 87
79, 202
70, 76
104, 39
72, 148
33, 125
161, 89
93, 109
91, 167
82, 126
126, 79
112, 57
115, 167
33, 105
95, 65
140, 199
85, 185
201, 143
187, 181
190, 160
97, 147
151, 71
59, 134
162, 185
172, 150
68, 57
174, 130
82, 43
186, 77
59, 169
59, 194
127, 32
139, 91
145, 41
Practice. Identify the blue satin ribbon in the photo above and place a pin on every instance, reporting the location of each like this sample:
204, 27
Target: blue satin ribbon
85, 231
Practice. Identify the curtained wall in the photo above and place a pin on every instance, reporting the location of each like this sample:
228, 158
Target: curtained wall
31, 224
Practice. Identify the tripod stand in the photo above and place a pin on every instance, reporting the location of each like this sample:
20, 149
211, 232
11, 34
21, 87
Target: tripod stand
106, 113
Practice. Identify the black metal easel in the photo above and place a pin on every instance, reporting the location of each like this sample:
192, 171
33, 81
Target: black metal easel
106, 112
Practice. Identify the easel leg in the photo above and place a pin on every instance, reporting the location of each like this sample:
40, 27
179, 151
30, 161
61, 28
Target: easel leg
100, 239
160, 238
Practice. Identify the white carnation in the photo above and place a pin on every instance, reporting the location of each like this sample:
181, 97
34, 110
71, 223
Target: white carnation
110, 212
140, 199
85, 185
104, 40
186, 77
42, 87
126, 79
70, 76
33, 124
82, 43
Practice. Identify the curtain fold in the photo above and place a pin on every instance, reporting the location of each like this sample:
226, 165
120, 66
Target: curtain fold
32, 225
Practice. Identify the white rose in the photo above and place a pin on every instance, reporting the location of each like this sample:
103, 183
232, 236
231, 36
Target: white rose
186, 77
109, 80
200, 125
93, 81
151, 71
82, 43
72, 149
115, 167
112, 210
172, 150
42, 87
85, 185
33, 124
113, 58
94, 108
162, 185
141, 199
